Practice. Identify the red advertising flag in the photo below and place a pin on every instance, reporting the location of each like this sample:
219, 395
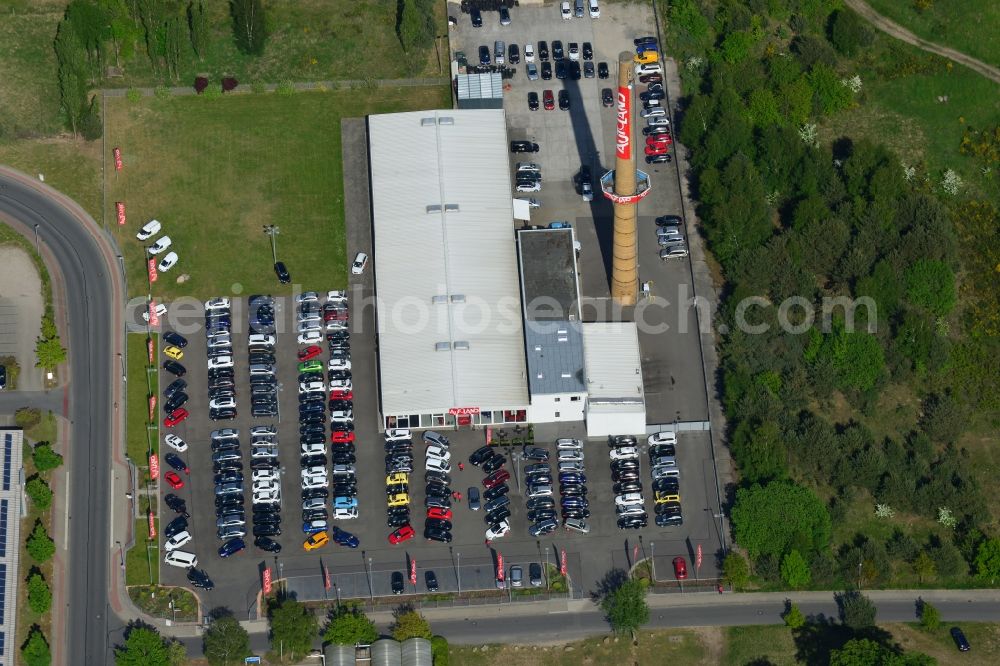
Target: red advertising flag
120, 212
154, 319
697, 559
152, 525
151, 270
326, 575
635, 553
267, 581
149, 350
623, 141
489, 435
152, 406
499, 567
118, 159
413, 571
154, 466
562, 562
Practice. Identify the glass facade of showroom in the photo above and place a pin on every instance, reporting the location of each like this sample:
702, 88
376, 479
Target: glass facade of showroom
484, 417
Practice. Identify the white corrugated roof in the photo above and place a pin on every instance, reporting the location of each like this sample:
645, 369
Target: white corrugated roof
423, 164
611, 355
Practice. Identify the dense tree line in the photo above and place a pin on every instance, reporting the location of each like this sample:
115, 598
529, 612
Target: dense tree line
869, 253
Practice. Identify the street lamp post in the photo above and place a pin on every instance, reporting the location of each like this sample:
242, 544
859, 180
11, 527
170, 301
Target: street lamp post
37, 251
652, 559
458, 572
272, 231
371, 588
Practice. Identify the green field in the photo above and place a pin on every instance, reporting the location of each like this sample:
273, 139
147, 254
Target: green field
29, 89
969, 26
138, 393
214, 171
142, 568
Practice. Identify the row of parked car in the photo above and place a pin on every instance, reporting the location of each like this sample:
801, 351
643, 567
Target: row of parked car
219, 347
666, 478
163, 243
496, 503
263, 362
629, 503
438, 492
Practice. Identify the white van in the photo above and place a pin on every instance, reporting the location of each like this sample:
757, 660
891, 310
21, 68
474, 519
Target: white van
595, 10
499, 49
181, 558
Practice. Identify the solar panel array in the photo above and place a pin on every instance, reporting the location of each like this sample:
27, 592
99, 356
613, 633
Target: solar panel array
8, 447
3, 590
3, 527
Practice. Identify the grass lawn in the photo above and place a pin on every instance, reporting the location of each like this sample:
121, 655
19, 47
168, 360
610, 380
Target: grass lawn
45, 431
29, 88
72, 166
744, 645
215, 171
140, 569
969, 26
138, 396
169, 603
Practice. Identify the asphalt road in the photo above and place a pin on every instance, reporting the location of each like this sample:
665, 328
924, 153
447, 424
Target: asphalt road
88, 292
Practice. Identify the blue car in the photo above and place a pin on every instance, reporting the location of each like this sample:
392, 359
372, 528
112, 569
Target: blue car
344, 502
345, 538
232, 547
314, 526
559, 225
571, 477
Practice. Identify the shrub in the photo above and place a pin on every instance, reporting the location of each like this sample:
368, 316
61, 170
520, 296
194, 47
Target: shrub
793, 617
229, 84
409, 625
439, 650
930, 617
45, 458
27, 418
286, 87
39, 492
40, 545
212, 93
856, 610
848, 32
39, 594
36, 649
200, 83
258, 87
133, 95
161, 92
735, 570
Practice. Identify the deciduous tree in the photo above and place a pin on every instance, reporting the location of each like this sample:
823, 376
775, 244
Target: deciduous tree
39, 544
143, 647
249, 25
293, 627
626, 607
411, 624
36, 650
778, 517
39, 594
349, 625
226, 643
795, 570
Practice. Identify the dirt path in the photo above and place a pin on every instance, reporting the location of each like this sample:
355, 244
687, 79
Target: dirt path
901, 33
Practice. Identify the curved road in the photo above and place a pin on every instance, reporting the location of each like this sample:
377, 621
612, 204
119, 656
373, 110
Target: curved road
90, 281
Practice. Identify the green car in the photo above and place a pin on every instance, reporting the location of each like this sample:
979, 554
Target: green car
311, 366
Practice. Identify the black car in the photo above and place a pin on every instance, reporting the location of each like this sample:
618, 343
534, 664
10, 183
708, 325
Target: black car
438, 524
655, 130
266, 529
540, 503
960, 641
216, 373
340, 457
574, 70
176, 504
282, 273
433, 534
174, 368
315, 514
265, 517
262, 359
588, 70
627, 487
431, 581
177, 463
513, 54
473, 496
496, 516
440, 502
199, 578
494, 463
557, 50
624, 465
564, 100
546, 70
668, 520
602, 70
561, 70
310, 428
666, 158
495, 492
176, 526
607, 97
175, 339
646, 96
267, 544
315, 492
539, 515
525, 146
543, 51
397, 582
221, 382
235, 501
632, 522
227, 414
437, 490
484, 55
538, 479
174, 387
573, 490
669, 485
535, 453
575, 512
588, 51
439, 477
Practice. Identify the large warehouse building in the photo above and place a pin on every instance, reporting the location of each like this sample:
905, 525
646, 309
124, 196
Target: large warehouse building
478, 325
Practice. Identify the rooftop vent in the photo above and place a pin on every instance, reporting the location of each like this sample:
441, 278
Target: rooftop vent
461, 345
442, 346
451, 208
424, 122
433, 208
446, 120
440, 299
458, 298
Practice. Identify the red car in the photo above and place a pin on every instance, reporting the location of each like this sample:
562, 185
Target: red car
496, 478
404, 533
659, 149
335, 315
650, 78
548, 101
175, 481
339, 437
310, 352
338, 394
176, 417
438, 513
659, 138
680, 568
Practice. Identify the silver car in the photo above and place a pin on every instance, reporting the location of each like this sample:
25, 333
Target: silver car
231, 520
227, 533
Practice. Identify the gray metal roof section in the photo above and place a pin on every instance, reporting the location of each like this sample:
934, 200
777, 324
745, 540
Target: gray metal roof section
549, 286
11, 443
445, 265
614, 371
479, 86
555, 357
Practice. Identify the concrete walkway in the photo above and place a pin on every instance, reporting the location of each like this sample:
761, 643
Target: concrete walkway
899, 32
21, 308
297, 85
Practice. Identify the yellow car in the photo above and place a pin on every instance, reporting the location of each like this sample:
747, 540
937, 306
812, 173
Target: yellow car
647, 58
397, 477
400, 499
317, 540
663, 498
173, 352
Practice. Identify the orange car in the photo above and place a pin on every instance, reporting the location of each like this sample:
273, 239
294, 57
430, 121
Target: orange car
317, 540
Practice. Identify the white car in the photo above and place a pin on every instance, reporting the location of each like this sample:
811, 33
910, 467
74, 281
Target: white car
630, 510
316, 449
336, 325
628, 499
529, 53
222, 403
595, 9
571, 456
148, 229
360, 261
665, 472
307, 297
571, 467
265, 475
345, 514
267, 486
264, 430
344, 470
437, 465
341, 385
310, 338
308, 326
396, 434
437, 452
662, 437
221, 303
271, 497
339, 363
313, 473
167, 262
501, 528
543, 490
673, 253
651, 68
342, 416
220, 362
225, 433
182, 559
223, 340
161, 310
565, 10
624, 453
567, 444
334, 296
313, 503
270, 451
161, 244
533, 186
261, 339
651, 113
305, 317
177, 541
176, 443
657, 121
312, 387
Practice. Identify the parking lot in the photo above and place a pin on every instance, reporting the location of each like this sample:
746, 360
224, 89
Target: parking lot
673, 378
